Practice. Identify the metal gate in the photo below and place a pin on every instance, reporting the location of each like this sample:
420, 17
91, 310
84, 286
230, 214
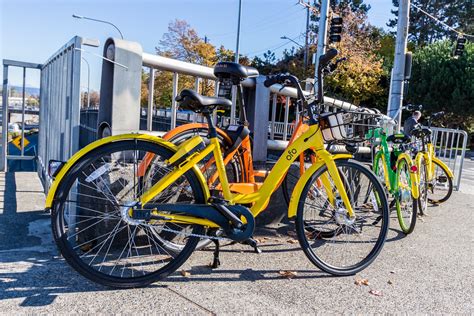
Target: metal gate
450, 147
60, 107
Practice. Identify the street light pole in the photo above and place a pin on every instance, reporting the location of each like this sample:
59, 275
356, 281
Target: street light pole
306, 47
97, 20
238, 33
287, 38
88, 82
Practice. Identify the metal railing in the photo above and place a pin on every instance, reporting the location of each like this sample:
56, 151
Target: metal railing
450, 147
4, 155
60, 107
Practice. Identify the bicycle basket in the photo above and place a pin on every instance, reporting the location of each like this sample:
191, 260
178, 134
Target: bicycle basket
351, 126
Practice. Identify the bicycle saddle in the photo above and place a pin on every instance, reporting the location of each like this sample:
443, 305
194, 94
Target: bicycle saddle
191, 100
399, 138
236, 72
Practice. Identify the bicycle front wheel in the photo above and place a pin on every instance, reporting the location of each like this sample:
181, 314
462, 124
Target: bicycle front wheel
93, 229
440, 186
405, 203
333, 241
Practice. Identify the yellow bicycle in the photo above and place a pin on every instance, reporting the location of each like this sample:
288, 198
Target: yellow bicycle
111, 226
436, 179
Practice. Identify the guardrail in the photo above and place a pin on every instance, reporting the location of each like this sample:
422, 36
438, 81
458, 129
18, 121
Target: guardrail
122, 70
450, 147
4, 155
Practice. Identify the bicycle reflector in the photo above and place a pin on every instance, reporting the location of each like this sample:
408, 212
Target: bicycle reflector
413, 169
459, 48
335, 29
54, 166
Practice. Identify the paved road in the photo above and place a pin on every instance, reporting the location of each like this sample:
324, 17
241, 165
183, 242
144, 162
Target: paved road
428, 271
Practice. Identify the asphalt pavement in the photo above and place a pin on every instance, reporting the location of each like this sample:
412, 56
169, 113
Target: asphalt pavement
429, 271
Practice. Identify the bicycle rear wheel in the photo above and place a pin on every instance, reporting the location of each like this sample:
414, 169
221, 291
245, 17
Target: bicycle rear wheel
349, 244
92, 226
440, 187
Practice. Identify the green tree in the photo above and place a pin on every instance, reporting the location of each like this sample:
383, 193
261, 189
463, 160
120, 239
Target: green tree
423, 30
441, 82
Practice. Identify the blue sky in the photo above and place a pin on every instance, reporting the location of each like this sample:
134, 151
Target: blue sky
32, 30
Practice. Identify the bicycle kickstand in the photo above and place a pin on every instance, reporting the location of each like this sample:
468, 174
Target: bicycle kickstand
253, 243
216, 262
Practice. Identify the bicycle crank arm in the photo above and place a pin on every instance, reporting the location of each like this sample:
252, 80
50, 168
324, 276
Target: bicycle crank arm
192, 213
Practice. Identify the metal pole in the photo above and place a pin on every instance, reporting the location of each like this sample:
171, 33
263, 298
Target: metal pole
398, 72
322, 35
88, 82
23, 115
274, 105
287, 113
238, 33
151, 85
3, 162
174, 104
306, 47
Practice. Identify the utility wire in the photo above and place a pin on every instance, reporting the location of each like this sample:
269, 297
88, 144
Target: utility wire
441, 22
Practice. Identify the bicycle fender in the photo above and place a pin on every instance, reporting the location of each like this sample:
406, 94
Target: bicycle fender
81, 153
444, 166
415, 189
298, 190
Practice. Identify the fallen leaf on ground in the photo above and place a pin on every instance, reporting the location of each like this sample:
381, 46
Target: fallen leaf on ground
389, 282
292, 241
185, 273
361, 282
375, 292
287, 274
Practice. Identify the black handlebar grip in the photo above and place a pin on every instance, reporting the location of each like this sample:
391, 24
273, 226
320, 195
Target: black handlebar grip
326, 58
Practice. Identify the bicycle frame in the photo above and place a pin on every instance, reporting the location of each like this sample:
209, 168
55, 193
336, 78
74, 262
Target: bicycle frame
312, 138
389, 174
429, 155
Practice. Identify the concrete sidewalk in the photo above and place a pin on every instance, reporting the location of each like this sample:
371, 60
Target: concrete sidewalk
428, 271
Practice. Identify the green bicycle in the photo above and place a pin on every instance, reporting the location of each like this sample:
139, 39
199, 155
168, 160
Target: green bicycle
397, 171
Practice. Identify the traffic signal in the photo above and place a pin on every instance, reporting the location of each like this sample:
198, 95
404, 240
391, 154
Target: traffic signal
335, 30
459, 49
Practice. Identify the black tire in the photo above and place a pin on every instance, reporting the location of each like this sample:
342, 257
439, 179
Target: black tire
423, 199
101, 200
405, 204
374, 203
441, 187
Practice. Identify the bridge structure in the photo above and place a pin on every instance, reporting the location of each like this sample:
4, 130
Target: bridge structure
65, 126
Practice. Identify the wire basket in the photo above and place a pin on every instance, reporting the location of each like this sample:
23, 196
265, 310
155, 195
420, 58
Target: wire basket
348, 126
